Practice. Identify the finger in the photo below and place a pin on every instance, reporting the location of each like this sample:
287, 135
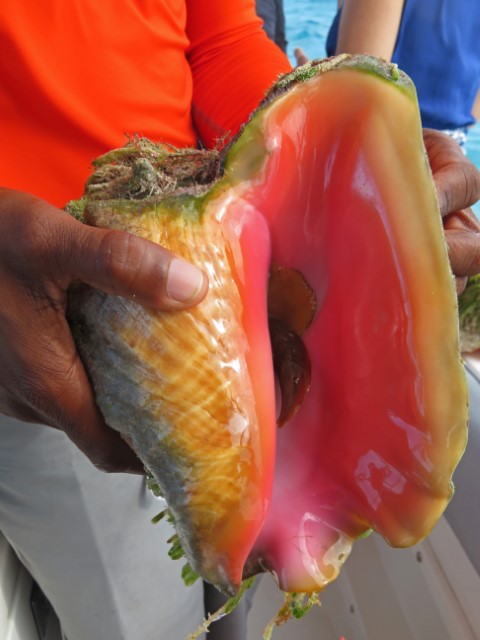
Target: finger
123, 264
58, 249
108, 452
462, 233
43, 381
13, 408
71, 408
79, 417
464, 251
300, 57
117, 262
464, 219
457, 180
84, 425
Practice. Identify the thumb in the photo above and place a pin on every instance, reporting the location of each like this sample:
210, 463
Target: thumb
120, 263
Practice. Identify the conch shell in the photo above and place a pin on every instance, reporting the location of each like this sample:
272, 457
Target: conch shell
327, 191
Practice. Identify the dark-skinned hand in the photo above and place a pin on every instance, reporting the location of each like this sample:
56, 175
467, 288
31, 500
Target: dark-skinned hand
43, 251
457, 182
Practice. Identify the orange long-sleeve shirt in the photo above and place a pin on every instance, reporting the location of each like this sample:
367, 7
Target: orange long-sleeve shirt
80, 75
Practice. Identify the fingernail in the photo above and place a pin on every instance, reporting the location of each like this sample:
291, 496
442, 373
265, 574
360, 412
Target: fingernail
184, 281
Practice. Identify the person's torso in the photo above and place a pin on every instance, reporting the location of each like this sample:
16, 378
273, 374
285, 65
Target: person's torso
78, 76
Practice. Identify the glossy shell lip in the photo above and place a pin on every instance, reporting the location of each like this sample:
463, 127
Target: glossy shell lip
377, 437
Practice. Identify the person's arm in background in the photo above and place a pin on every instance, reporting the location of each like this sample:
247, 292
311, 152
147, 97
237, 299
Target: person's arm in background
233, 64
369, 26
273, 16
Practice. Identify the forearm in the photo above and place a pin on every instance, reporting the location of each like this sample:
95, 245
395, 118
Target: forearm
369, 26
233, 64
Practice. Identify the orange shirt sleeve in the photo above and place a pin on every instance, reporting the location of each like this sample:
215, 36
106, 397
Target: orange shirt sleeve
233, 64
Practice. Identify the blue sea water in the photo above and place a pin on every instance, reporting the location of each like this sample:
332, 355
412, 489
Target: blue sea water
308, 22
